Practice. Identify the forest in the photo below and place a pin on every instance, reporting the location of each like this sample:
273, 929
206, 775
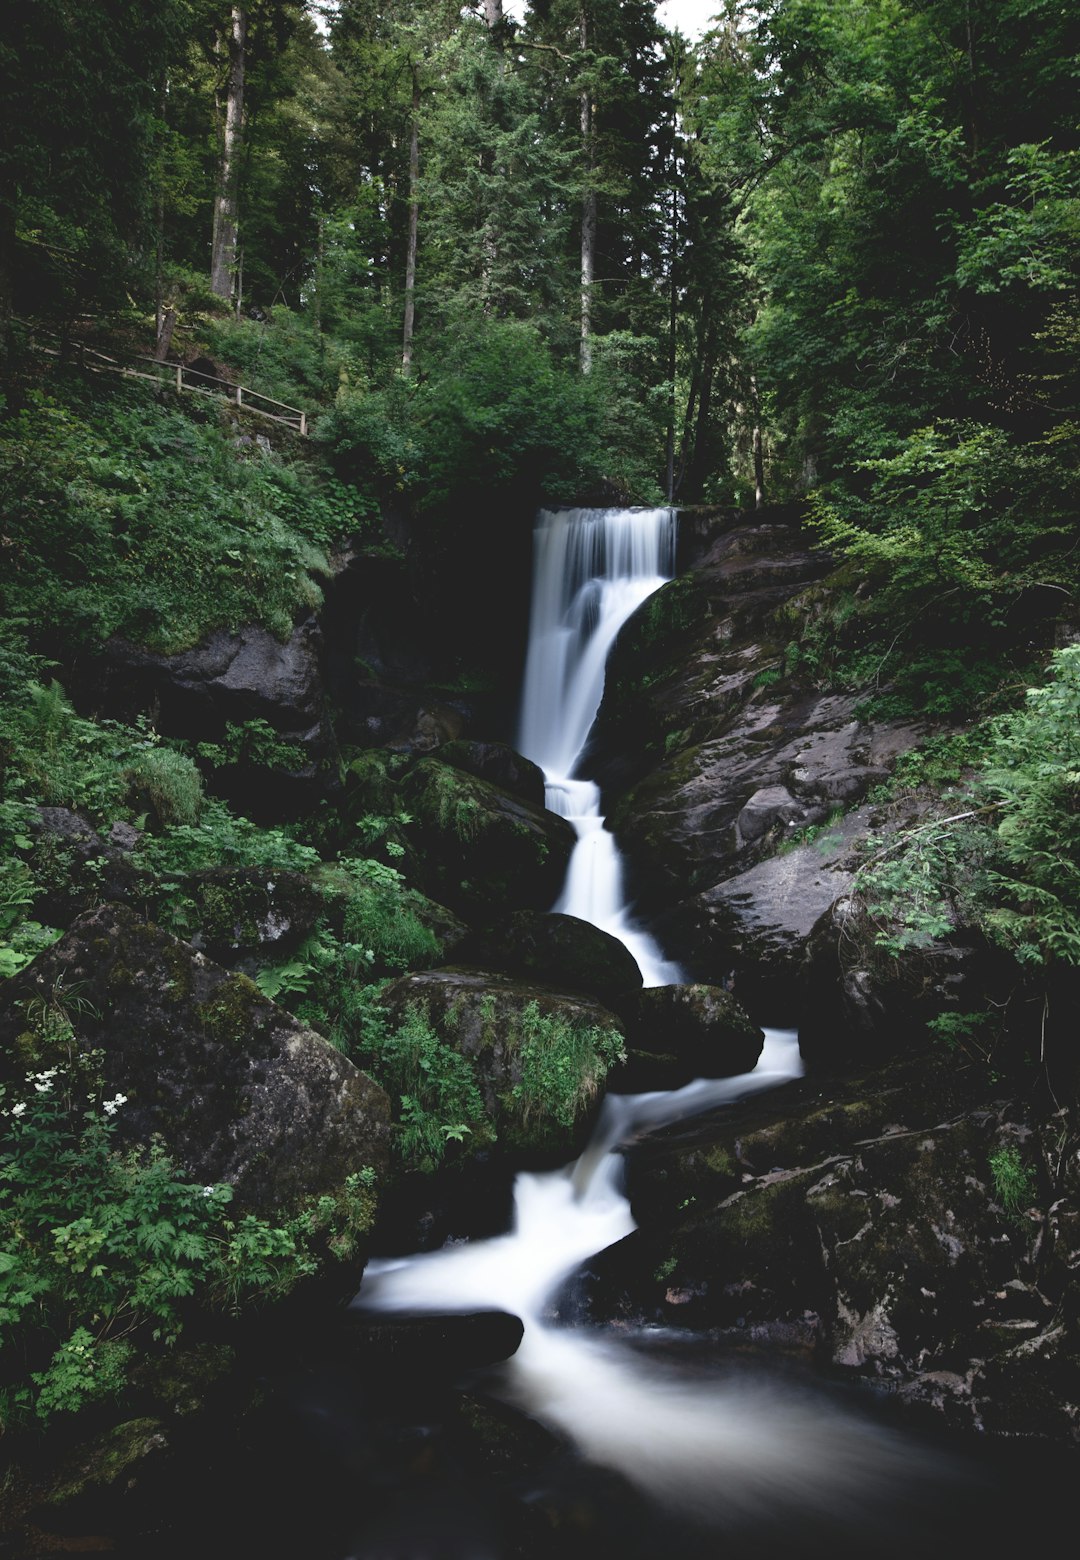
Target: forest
306, 309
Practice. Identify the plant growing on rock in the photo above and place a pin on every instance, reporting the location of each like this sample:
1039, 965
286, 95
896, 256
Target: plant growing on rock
104, 1254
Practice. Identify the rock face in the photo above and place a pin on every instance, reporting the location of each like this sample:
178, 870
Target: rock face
232, 678
711, 753
236, 1088
875, 1226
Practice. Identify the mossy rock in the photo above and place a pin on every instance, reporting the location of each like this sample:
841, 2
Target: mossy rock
485, 851
540, 1057
235, 1088
700, 1031
499, 764
573, 955
250, 917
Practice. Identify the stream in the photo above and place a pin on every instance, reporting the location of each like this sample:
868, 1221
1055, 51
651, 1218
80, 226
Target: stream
704, 1451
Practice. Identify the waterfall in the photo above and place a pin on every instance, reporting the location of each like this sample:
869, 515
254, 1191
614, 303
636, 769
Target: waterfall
728, 1452
592, 568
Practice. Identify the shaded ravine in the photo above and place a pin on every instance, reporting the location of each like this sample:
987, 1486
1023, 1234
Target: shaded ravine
713, 1447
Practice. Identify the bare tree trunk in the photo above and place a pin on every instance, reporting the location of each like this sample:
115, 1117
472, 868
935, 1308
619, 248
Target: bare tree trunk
588, 214
410, 253
759, 456
493, 12
226, 203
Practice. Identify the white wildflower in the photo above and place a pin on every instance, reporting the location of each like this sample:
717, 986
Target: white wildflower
208, 1191
17, 1110
110, 1107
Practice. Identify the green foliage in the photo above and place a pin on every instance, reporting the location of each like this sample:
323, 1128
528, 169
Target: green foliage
1008, 860
1014, 1182
251, 742
1033, 775
496, 413
562, 1065
439, 1100
122, 516
105, 1251
171, 782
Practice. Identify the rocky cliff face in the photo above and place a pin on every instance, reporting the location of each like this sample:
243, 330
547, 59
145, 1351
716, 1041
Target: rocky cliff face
714, 756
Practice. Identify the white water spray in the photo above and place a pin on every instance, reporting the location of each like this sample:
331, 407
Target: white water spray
592, 568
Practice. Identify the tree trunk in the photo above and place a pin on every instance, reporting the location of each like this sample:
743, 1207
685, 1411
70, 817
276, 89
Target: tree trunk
759, 456
588, 215
226, 203
410, 253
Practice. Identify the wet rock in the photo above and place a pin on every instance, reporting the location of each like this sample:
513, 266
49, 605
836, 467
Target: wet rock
499, 764
572, 955
772, 805
870, 1226
484, 851
446, 1343
757, 923
678, 1033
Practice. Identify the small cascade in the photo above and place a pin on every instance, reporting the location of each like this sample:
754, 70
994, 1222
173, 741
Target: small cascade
592, 568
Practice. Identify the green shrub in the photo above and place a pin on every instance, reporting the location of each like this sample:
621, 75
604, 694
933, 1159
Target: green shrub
562, 1063
1014, 1183
171, 782
105, 1253
439, 1102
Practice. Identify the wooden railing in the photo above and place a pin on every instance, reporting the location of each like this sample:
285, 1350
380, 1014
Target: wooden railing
179, 377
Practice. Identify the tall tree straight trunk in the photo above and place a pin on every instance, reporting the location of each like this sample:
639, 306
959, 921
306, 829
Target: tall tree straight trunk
758, 448
226, 203
410, 252
673, 320
588, 212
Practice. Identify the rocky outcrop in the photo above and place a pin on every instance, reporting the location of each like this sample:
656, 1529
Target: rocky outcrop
483, 850
713, 753
540, 1057
892, 1230
235, 1088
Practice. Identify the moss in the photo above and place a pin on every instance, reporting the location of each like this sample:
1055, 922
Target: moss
235, 1013
109, 1457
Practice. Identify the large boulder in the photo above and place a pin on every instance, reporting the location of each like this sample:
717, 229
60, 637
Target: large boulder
569, 954
235, 1088
862, 1000
234, 678
678, 1033
484, 850
540, 1057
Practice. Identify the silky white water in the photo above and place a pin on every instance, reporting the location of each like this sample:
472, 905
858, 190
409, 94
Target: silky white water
592, 568
717, 1448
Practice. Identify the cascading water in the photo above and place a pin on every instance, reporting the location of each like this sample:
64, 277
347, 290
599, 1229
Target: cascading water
592, 568
716, 1451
